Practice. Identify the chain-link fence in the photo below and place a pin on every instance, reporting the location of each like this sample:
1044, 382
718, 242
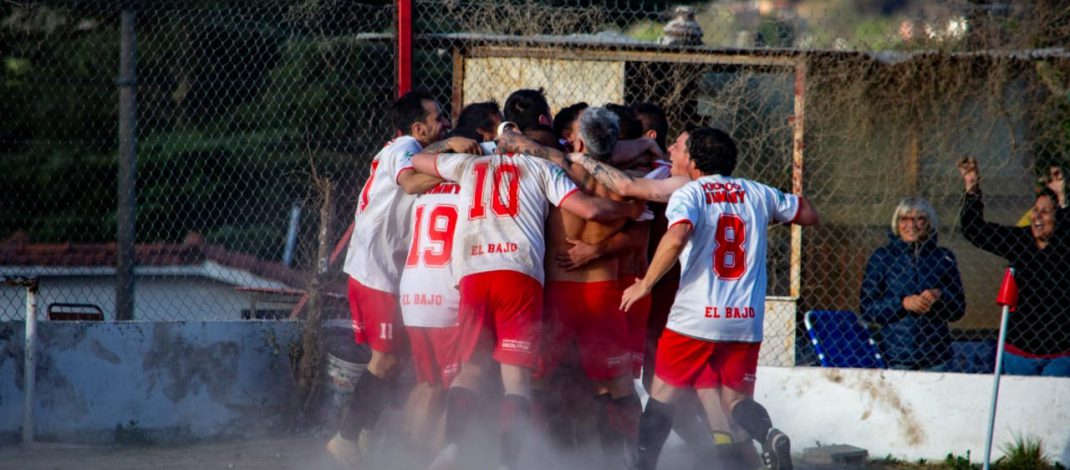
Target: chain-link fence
243, 106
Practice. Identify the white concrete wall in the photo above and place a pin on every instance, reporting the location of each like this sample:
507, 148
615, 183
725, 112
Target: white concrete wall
565, 81
162, 298
201, 379
177, 380
912, 415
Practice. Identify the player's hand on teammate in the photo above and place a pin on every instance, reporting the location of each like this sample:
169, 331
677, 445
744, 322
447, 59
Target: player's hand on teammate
971, 178
923, 302
464, 145
638, 207
633, 294
577, 256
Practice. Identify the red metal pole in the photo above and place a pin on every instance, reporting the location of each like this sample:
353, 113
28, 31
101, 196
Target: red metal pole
404, 66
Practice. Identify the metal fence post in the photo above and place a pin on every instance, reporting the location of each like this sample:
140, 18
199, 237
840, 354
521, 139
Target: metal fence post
125, 236
404, 57
29, 360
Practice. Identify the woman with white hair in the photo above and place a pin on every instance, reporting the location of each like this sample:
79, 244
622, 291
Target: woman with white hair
912, 289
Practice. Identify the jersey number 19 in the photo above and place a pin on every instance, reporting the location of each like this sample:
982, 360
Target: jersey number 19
442, 220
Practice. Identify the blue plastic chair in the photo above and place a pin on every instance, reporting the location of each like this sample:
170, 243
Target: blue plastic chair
840, 340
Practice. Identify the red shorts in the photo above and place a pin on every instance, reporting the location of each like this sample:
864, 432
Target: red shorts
637, 318
686, 362
500, 310
588, 313
434, 354
376, 318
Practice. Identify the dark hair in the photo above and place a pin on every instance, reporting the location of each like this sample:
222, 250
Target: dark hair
567, 116
543, 135
653, 118
476, 117
1049, 193
525, 106
630, 126
409, 109
466, 133
713, 151
599, 129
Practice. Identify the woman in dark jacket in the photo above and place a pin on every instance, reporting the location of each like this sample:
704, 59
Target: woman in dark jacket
913, 290
1038, 332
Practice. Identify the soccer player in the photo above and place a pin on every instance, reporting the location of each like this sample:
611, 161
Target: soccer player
526, 108
377, 251
429, 304
498, 261
717, 230
582, 306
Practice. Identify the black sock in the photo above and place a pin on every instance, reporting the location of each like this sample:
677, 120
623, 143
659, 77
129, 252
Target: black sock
514, 420
610, 439
624, 413
370, 395
753, 418
460, 404
654, 427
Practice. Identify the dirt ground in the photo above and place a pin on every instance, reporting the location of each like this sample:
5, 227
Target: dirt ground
268, 454
261, 454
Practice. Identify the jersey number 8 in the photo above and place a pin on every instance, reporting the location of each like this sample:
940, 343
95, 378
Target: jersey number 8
729, 257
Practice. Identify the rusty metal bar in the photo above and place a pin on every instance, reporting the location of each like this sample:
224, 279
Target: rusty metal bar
797, 174
690, 57
457, 100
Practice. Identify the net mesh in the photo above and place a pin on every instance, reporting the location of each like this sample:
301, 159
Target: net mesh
240, 104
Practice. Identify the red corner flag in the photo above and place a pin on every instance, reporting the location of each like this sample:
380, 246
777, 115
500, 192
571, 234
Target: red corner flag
1008, 291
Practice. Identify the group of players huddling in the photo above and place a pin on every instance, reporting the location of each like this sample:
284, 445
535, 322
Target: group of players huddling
505, 249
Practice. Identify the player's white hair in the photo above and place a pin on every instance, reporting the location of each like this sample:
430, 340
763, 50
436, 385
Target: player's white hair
599, 129
911, 204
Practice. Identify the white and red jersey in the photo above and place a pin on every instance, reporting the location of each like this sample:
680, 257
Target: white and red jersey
722, 268
503, 210
381, 230
427, 293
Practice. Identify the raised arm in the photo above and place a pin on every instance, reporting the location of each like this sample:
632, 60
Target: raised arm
626, 185
598, 209
997, 239
669, 249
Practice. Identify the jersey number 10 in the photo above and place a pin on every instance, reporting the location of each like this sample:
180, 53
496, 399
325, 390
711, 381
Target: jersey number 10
508, 208
729, 257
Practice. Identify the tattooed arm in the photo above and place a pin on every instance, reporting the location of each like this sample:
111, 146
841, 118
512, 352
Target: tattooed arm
626, 185
454, 145
515, 142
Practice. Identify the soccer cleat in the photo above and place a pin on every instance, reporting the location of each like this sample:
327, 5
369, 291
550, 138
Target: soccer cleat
776, 450
446, 459
344, 451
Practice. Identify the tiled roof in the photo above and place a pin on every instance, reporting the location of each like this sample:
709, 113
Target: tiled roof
17, 250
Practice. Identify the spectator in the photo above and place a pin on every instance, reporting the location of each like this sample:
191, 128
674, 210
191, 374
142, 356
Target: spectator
1054, 181
913, 290
1038, 332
